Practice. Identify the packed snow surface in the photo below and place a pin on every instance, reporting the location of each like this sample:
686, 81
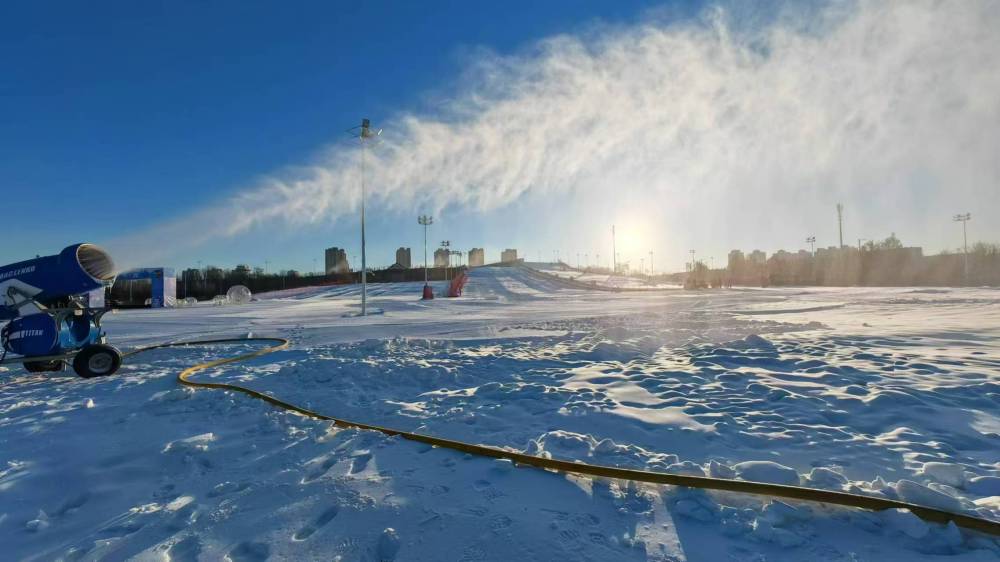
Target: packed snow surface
888, 392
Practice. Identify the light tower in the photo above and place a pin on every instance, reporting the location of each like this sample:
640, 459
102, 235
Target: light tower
840, 223
365, 135
446, 244
425, 221
812, 244
614, 252
964, 218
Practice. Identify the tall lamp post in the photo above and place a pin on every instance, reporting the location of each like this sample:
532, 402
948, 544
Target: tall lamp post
425, 221
446, 244
812, 244
964, 218
614, 252
365, 135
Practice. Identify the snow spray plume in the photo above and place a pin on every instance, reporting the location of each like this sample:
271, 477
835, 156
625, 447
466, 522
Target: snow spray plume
877, 102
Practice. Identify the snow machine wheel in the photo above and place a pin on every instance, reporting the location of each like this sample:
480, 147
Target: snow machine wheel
43, 366
97, 360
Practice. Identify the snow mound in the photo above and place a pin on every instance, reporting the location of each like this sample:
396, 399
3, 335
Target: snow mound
945, 473
767, 471
912, 492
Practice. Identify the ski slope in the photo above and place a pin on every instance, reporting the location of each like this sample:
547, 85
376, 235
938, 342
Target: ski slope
892, 392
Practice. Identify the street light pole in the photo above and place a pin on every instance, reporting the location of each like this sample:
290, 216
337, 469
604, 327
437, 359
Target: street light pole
365, 135
964, 218
425, 221
446, 244
614, 252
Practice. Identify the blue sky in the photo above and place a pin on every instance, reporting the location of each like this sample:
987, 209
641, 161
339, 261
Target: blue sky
125, 114
740, 130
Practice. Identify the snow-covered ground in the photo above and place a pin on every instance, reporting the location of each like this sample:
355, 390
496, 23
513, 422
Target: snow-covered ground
892, 392
600, 279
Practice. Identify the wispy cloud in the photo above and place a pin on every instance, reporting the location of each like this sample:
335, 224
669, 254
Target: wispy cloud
882, 101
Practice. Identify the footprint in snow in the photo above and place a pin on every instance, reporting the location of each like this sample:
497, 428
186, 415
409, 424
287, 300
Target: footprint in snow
227, 488
388, 545
185, 550
249, 552
324, 518
320, 470
360, 462
72, 504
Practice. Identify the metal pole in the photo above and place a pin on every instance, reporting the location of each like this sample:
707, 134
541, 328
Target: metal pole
840, 223
965, 247
614, 252
964, 218
364, 274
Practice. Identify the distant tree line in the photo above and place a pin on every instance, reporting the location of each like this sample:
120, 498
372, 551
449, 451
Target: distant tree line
205, 284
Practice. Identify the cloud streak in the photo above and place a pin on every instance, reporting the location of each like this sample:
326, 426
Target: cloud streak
883, 102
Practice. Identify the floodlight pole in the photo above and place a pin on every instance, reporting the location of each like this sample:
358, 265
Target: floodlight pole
840, 223
366, 133
364, 273
614, 252
425, 220
964, 218
446, 244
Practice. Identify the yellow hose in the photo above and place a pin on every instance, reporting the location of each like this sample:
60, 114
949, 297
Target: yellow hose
739, 486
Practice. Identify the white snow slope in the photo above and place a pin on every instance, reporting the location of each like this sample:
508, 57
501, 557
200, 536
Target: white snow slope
892, 392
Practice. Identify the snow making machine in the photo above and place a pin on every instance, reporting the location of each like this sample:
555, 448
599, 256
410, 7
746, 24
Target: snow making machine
49, 321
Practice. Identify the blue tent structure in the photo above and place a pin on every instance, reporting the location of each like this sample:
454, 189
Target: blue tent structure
164, 284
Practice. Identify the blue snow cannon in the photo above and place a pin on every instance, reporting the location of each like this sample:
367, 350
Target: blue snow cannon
48, 322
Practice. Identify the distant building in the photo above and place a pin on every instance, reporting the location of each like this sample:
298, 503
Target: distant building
336, 261
508, 255
737, 261
441, 257
757, 257
477, 257
403, 258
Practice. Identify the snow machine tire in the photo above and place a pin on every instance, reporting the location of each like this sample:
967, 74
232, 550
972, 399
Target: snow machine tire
97, 360
43, 366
